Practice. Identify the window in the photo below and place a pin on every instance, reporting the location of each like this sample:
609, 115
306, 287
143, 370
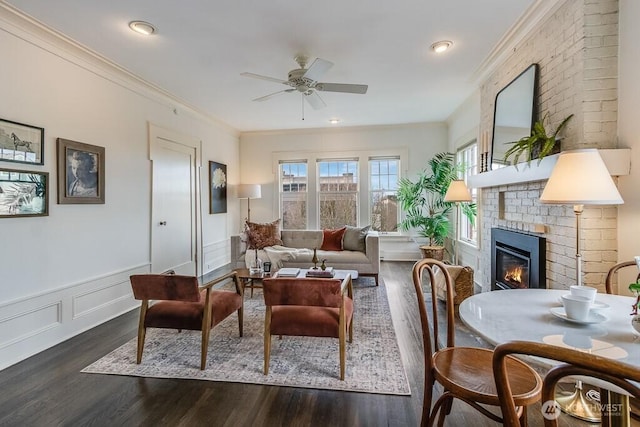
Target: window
383, 185
468, 156
338, 193
293, 195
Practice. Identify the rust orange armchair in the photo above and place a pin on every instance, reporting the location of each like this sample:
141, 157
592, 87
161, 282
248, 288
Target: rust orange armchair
182, 304
308, 307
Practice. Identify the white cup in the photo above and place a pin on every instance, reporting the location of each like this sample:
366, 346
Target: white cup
576, 307
584, 291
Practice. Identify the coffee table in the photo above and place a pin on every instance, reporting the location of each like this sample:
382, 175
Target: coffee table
338, 274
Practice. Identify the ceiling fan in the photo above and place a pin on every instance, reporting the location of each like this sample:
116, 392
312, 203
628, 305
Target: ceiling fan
305, 81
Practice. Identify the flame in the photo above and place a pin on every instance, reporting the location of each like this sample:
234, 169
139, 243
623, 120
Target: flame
514, 275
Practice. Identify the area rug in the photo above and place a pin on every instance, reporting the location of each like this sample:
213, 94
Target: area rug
373, 363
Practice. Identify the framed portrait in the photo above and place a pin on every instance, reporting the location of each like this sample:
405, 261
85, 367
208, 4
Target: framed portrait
80, 173
21, 143
23, 193
217, 188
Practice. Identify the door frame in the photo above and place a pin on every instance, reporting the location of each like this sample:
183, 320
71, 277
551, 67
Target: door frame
156, 132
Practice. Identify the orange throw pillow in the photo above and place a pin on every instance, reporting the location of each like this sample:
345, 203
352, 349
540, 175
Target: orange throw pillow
332, 239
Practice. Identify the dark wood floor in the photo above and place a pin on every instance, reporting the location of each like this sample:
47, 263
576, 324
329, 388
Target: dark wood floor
49, 390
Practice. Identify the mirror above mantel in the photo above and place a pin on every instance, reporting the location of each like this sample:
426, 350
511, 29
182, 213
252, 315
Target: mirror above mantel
514, 114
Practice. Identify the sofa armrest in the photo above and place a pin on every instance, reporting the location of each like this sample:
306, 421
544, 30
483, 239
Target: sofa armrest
372, 243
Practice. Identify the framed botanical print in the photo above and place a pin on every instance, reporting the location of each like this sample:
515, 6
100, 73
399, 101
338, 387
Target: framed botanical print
23, 193
80, 173
21, 143
217, 188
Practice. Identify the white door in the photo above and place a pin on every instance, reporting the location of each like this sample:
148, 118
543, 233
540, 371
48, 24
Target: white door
174, 204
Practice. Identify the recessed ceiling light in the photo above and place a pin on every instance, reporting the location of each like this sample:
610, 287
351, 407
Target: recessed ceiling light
142, 27
441, 46
334, 121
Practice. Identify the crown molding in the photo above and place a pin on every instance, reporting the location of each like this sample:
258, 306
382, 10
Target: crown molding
26, 28
533, 16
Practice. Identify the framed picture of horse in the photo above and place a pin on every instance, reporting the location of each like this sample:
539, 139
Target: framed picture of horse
21, 143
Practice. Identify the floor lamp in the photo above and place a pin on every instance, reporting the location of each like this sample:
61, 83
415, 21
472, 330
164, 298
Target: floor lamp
249, 191
580, 178
456, 193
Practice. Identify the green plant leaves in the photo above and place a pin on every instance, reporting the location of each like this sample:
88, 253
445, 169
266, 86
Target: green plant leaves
423, 200
538, 141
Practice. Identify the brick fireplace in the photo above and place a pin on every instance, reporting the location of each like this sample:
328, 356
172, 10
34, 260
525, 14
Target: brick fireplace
576, 48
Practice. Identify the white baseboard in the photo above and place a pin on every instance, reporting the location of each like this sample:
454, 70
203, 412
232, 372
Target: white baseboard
36, 323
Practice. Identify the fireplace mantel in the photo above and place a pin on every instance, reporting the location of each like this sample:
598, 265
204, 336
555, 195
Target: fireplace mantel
618, 161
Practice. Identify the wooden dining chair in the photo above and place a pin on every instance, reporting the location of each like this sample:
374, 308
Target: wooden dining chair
179, 303
613, 270
573, 362
465, 373
309, 308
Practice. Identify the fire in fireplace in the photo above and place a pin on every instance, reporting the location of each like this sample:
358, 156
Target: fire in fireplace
517, 260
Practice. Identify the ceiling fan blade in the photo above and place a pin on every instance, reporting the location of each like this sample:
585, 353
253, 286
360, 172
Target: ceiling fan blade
267, 78
317, 69
342, 87
271, 95
315, 101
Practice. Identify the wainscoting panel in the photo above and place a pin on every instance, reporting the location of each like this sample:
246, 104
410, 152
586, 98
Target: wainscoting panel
216, 255
35, 323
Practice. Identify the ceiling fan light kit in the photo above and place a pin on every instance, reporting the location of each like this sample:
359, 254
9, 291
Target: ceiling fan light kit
305, 81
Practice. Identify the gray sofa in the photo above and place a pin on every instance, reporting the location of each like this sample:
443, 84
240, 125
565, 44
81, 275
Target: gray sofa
365, 263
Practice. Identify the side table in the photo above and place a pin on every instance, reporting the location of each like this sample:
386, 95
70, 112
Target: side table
250, 280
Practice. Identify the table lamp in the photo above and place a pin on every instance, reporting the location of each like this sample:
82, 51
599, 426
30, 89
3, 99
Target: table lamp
249, 191
580, 178
456, 193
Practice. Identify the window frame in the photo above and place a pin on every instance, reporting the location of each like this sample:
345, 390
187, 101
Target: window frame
467, 155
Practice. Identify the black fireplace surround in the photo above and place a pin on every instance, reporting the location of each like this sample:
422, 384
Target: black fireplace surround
516, 250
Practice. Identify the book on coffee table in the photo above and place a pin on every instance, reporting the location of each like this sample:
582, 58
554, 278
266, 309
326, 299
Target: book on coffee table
288, 272
327, 272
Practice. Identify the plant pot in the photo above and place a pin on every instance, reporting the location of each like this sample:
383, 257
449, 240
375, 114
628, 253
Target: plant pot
535, 150
435, 252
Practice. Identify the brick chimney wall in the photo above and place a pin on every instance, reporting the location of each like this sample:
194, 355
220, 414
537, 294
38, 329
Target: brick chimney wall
577, 52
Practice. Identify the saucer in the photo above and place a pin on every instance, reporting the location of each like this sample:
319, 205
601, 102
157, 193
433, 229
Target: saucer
593, 317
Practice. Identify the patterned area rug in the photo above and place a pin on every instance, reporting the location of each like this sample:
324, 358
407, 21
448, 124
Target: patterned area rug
373, 359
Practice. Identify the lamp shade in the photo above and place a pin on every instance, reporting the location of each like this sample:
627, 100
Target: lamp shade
457, 192
249, 191
580, 177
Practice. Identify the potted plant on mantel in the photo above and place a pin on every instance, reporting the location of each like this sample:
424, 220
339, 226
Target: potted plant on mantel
538, 145
424, 205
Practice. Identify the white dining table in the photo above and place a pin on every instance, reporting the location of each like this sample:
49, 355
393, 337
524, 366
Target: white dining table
525, 314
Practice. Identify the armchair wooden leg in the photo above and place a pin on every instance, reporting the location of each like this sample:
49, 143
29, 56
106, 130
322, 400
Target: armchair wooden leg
267, 340
205, 347
240, 319
141, 335
343, 346
141, 330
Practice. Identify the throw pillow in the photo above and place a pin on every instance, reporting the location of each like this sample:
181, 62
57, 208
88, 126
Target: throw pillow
354, 238
262, 235
332, 239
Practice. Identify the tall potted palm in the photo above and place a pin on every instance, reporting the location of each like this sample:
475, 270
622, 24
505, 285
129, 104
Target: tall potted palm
423, 203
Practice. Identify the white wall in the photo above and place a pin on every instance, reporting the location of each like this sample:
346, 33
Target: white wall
629, 136
66, 272
421, 141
